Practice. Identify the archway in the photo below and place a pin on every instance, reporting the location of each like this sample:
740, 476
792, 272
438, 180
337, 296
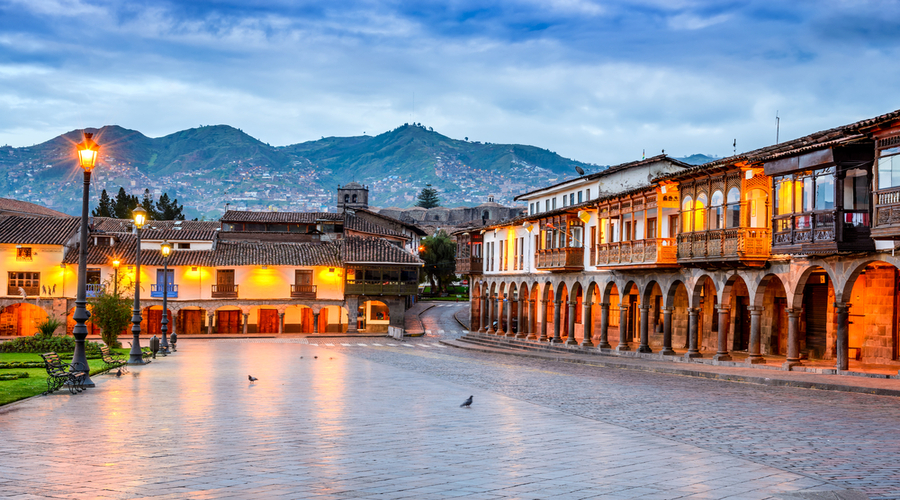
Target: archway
561, 313
770, 302
190, 321
501, 309
298, 319
91, 328
736, 296
872, 318
523, 326
677, 304
652, 297
575, 323
703, 302
612, 297
512, 309
475, 307
631, 303
813, 305
374, 317
333, 319
151, 321
533, 308
21, 319
228, 319
548, 318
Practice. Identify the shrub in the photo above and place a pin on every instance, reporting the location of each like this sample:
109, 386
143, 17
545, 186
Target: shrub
112, 313
48, 327
39, 344
13, 376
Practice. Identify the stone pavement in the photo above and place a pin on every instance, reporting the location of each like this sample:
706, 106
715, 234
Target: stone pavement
192, 426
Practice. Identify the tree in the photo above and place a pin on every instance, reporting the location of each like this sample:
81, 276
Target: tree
428, 198
111, 312
124, 204
169, 210
439, 253
147, 204
105, 207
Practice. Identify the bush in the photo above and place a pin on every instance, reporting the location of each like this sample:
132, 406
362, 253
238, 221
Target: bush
13, 376
48, 327
40, 344
112, 313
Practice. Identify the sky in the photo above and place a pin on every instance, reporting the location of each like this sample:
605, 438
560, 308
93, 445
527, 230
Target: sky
597, 81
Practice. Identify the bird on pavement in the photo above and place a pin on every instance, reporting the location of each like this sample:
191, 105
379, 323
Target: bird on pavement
315, 357
119, 373
467, 403
252, 378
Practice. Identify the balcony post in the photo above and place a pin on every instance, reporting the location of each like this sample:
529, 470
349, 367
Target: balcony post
667, 332
604, 326
624, 345
570, 339
521, 318
557, 321
693, 334
280, 322
587, 321
546, 306
724, 324
352, 302
793, 347
531, 320
483, 310
645, 327
842, 356
755, 354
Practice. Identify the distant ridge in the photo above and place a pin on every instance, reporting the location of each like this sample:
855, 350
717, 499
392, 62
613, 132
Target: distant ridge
697, 159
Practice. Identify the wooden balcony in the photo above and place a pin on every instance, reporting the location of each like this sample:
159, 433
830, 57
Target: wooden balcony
224, 291
307, 292
659, 252
156, 291
560, 259
364, 287
824, 233
469, 265
887, 214
744, 246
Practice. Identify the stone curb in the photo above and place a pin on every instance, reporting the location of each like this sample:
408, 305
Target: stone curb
671, 370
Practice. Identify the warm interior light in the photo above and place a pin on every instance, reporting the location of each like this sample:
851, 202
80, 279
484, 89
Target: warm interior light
116, 263
663, 189
330, 269
528, 226
88, 150
193, 268
584, 215
140, 216
165, 248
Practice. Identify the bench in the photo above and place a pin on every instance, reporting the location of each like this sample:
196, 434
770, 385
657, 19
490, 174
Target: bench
110, 360
59, 374
145, 351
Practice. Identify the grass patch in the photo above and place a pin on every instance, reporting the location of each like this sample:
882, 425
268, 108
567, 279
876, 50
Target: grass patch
36, 383
461, 298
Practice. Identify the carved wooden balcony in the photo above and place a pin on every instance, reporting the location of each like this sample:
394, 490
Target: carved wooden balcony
224, 291
823, 233
469, 265
659, 252
307, 292
744, 246
560, 259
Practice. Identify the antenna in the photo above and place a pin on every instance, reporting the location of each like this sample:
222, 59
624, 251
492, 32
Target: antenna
777, 126
734, 145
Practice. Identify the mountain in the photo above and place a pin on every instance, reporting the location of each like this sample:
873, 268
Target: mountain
698, 159
209, 166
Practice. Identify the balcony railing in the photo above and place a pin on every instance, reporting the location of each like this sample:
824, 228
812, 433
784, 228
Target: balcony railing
225, 291
29, 290
725, 244
93, 289
469, 265
303, 291
157, 291
652, 251
372, 287
561, 259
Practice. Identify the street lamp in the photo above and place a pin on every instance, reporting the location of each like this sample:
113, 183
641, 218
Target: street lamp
165, 249
87, 151
135, 356
116, 264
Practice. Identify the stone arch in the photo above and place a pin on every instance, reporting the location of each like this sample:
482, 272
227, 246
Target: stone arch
869, 321
228, 319
20, 319
677, 301
190, 320
299, 318
812, 305
770, 299
376, 315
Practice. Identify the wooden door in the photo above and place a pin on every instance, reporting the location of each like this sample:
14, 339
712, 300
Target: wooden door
306, 320
323, 320
228, 321
191, 322
815, 303
267, 322
154, 321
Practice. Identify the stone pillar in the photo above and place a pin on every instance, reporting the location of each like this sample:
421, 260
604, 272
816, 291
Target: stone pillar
624, 345
532, 319
724, 323
588, 322
604, 326
842, 356
557, 321
693, 334
570, 340
209, 324
755, 355
315, 322
280, 322
544, 321
667, 332
521, 319
509, 316
793, 347
246, 320
645, 333
485, 303
352, 303
490, 316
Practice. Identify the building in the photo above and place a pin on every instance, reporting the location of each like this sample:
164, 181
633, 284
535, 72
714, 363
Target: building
785, 252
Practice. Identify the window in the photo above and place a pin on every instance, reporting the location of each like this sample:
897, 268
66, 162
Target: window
547, 205
717, 211
554, 203
889, 168
531, 209
23, 253
733, 211
576, 236
687, 207
700, 212
825, 189
522, 252
756, 207
354, 198
579, 197
30, 283
651, 228
104, 241
516, 253
572, 199
346, 198
183, 246
784, 203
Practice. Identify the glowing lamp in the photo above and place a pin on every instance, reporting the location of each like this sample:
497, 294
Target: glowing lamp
165, 248
140, 217
663, 189
528, 226
88, 150
584, 215
116, 263
421, 249
748, 175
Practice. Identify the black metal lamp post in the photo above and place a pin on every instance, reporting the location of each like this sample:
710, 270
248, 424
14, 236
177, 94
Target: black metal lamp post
135, 356
165, 249
116, 264
88, 151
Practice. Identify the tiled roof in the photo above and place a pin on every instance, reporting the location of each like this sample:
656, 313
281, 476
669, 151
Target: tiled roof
123, 250
25, 208
412, 227
354, 223
357, 250
38, 230
245, 253
284, 217
111, 225
175, 235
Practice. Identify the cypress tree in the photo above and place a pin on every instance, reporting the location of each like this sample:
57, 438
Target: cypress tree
428, 198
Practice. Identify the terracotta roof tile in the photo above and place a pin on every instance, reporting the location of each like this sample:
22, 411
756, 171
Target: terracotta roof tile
124, 248
359, 250
245, 253
28, 209
111, 225
354, 223
284, 217
38, 230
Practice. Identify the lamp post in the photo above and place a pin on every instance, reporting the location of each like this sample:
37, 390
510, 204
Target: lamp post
165, 249
88, 150
116, 264
135, 356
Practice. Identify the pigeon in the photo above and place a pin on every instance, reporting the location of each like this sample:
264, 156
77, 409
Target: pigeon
467, 403
315, 357
252, 378
119, 373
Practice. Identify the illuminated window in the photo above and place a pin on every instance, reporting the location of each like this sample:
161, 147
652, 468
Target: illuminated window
23, 253
733, 211
687, 207
717, 210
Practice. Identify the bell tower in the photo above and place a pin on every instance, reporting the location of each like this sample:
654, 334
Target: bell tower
353, 196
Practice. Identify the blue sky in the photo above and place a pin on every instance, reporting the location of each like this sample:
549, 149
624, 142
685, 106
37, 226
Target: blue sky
597, 81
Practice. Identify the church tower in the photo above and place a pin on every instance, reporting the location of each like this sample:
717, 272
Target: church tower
352, 196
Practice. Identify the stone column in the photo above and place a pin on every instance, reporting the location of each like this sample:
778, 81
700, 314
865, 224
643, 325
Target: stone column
755, 355
521, 319
793, 347
557, 321
352, 303
532, 320
604, 326
724, 323
315, 322
667, 332
543, 337
509, 316
490, 316
842, 356
209, 324
485, 304
645, 333
570, 340
624, 345
587, 321
693, 334
246, 320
